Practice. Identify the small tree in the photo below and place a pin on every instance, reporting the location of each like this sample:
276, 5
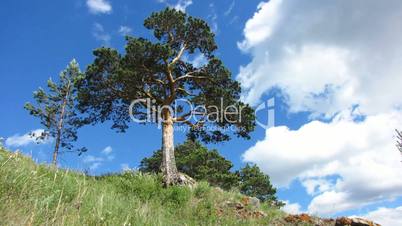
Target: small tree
157, 73
255, 183
56, 110
195, 160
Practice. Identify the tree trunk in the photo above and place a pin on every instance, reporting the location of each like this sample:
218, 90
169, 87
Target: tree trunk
58, 135
56, 150
60, 125
169, 169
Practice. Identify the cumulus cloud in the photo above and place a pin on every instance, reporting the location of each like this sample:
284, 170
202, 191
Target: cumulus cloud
291, 208
341, 61
18, 140
100, 34
99, 6
325, 56
386, 216
343, 164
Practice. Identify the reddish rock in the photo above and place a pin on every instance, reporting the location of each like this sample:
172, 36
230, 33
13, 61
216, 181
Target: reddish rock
300, 218
245, 200
344, 221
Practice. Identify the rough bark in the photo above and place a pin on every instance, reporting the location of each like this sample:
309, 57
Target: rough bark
169, 169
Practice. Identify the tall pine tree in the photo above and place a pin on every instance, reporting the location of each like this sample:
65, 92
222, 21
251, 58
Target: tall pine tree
158, 70
55, 108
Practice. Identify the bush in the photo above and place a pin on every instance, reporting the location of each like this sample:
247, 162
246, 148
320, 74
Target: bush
202, 189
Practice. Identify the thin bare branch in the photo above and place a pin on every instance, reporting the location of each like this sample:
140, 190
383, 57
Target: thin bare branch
179, 55
186, 92
186, 76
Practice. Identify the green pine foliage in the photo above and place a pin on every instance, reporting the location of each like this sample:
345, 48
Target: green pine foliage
157, 69
255, 183
195, 160
55, 108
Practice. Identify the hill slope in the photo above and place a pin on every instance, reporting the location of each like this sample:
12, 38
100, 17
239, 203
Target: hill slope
32, 194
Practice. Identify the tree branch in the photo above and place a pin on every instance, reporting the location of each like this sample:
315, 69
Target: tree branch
149, 95
170, 76
182, 118
179, 55
188, 75
186, 92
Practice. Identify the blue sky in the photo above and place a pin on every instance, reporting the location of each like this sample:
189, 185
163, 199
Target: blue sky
335, 74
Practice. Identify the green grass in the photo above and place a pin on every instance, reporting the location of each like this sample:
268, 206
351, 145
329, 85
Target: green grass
32, 194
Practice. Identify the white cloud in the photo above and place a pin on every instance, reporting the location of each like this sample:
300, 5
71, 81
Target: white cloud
213, 17
99, 6
343, 164
91, 159
317, 185
386, 216
291, 208
26, 139
95, 165
99, 33
325, 56
95, 162
125, 30
107, 150
125, 167
198, 60
182, 5
230, 9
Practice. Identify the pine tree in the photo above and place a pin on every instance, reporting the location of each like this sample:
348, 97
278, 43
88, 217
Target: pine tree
255, 183
158, 70
195, 160
55, 108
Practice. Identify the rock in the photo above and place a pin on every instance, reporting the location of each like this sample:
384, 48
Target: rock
186, 180
300, 218
240, 210
251, 201
245, 200
218, 189
255, 202
239, 206
259, 214
344, 221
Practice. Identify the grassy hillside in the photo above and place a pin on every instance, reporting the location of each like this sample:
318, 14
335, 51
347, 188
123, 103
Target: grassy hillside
32, 194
